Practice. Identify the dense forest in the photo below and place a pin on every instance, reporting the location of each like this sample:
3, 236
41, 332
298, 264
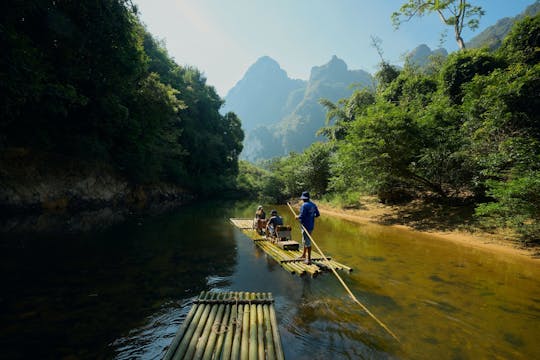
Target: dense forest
85, 80
461, 130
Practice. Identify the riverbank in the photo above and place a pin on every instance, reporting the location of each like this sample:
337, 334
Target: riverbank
444, 223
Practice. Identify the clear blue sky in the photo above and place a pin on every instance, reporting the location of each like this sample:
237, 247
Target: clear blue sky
222, 38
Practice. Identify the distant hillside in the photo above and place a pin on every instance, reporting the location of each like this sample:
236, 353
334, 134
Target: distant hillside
493, 36
421, 54
331, 81
280, 114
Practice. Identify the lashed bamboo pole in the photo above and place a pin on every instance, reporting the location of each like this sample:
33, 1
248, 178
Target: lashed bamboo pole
181, 332
215, 326
233, 330
235, 352
192, 347
191, 329
260, 330
289, 267
271, 354
253, 347
343, 283
244, 345
275, 332
273, 253
223, 328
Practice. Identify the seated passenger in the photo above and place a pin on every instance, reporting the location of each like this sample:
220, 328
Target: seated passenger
274, 221
259, 222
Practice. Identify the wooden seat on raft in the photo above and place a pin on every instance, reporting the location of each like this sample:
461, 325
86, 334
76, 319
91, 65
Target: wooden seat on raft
283, 238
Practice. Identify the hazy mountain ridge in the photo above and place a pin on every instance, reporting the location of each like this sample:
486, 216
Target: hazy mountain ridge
493, 36
420, 55
262, 95
280, 114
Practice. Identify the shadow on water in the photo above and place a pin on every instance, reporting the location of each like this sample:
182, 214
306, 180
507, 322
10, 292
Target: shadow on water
72, 295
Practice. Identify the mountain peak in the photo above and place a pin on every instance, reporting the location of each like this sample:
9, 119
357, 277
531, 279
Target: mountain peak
336, 67
265, 64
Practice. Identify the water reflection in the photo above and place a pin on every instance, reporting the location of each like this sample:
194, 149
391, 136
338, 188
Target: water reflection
123, 292
72, 295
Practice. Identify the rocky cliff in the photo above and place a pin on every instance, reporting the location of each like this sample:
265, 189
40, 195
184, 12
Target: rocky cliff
31, 181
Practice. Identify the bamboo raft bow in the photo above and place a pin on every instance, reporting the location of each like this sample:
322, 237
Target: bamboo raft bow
288, 259
231, 325
343, 283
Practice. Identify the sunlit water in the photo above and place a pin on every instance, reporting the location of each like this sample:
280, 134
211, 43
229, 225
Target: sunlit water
122, 293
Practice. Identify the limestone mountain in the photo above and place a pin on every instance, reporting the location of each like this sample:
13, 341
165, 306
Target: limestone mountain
420, 55
332, 81
261, 96
280, 114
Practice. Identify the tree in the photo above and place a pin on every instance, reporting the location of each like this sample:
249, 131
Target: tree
456, 13
523, 42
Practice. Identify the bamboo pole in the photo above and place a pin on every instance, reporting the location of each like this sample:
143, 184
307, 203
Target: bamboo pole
233, 330
235, 352
180, 333
260, 331
224, 328
179, 353
275, 332
192, 347
244, 345
343, 283
271, 354
272, 252
253, 348
215, 326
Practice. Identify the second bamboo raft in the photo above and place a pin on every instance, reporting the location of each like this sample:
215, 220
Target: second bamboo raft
288, 259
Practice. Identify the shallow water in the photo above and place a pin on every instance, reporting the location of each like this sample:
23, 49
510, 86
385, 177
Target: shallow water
122, 292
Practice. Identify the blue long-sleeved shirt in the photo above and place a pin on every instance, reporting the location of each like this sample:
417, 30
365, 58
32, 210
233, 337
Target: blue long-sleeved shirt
308, 213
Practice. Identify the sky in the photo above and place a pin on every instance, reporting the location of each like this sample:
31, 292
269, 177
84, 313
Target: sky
222, 38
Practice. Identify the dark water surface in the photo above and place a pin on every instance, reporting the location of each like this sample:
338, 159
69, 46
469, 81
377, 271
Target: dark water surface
123, 292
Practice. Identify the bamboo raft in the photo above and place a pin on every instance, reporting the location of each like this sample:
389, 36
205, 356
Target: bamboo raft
288, 259
231, 325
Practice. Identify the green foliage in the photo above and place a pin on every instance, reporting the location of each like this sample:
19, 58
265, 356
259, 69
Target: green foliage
466, 131
516, 205
386, 75
344, 112
523, 42
455, 13
299, 172
85, 79
461, 67
409, 86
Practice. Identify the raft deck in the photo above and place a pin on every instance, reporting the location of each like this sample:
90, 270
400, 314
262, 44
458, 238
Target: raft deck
288, 259
231, 325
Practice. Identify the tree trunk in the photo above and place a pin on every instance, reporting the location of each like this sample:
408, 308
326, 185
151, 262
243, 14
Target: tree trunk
460, 42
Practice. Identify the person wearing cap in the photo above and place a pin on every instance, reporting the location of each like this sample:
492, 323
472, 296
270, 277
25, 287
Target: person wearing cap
308, 213
274, 221
260, 219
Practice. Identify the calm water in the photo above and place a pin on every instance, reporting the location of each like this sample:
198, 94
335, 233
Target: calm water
122, 292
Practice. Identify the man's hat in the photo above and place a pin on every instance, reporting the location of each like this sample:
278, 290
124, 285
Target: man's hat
305, 195
274, 212
260, 207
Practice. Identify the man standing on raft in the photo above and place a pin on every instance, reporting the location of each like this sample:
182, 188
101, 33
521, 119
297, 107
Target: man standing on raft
308, 213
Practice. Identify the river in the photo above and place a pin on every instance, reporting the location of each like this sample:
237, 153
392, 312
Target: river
123, 291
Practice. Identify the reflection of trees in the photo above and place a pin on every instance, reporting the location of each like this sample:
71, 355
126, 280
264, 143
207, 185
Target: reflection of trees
90, 289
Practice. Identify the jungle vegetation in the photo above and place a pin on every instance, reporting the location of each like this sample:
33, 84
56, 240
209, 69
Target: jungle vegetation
86, 80
462, 130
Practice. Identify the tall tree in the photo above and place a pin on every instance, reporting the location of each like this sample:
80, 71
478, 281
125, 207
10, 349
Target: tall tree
456, 13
